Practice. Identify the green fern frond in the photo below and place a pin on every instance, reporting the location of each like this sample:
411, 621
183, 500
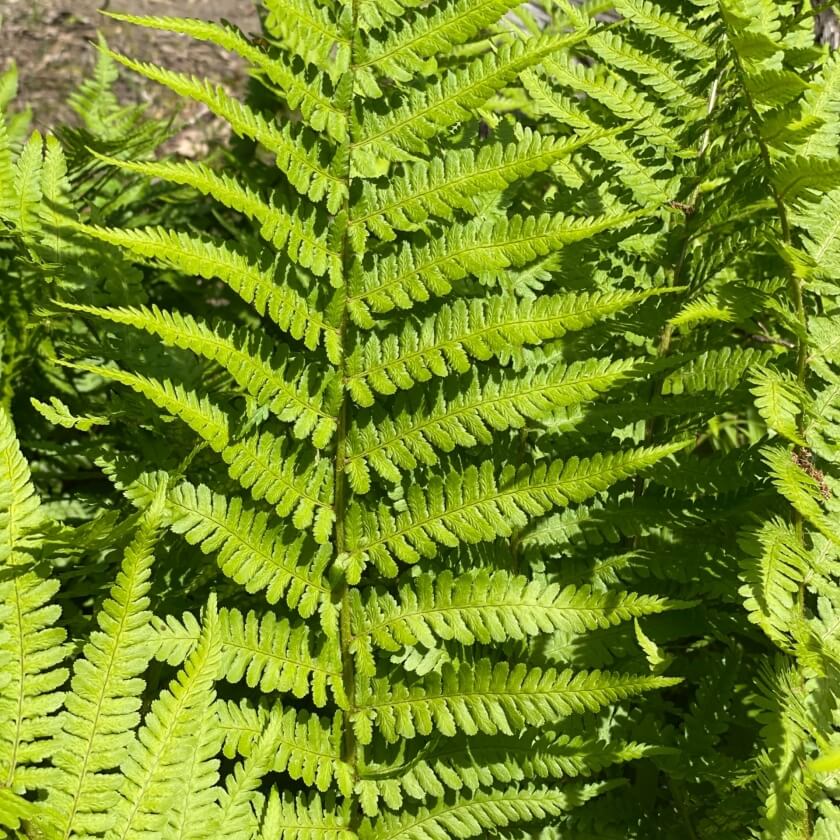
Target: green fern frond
405, 130
405, 49
57, 412
294, 393
299, 154
310, 31
646, 182
487, 404
650, 18
173, 740
301, 817
619, 96
240, 799
297, 232
32, 648
7, 172
264, 651
489, 698
252, 548
773, 569
475, 505
488, 762
451, 182
307, 748
801, 489
472, 815
779, 401
481, 248
258, 285
820, 224
654, 72
26, 184
263, 464
716, 370
800, 179
479, 329
304, 88
102, 708
482, 608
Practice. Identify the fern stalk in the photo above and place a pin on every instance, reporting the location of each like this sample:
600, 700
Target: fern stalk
350, 746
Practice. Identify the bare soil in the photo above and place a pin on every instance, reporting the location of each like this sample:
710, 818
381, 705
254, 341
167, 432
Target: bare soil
52, 43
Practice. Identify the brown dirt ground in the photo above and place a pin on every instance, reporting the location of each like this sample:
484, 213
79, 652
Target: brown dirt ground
50, 40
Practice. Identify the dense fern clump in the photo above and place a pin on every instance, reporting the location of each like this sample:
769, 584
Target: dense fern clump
453, 456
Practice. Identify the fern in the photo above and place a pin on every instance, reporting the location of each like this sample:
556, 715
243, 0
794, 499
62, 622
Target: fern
463, 432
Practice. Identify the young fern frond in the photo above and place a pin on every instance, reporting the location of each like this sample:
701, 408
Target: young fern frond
169, 764
32, 644
103, 705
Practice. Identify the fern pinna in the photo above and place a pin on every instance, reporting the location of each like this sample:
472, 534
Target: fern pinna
368, 423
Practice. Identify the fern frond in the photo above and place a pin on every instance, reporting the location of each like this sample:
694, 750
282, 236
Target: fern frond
716, 370
649, 17
479, 329
820, 223
451, 182
660, 75
258, 285
58, 413
799, 179
404, 130
310, 31
263, 650
300, 155
304, 88
294, 393
773, 569
486, 762
486, 404
479, 248
646, 182
476, 505
294, 816
422, 35
473, 815
32, 648
298, 231
252, 549
616, 94
102, 709
263, 464
489, 698
26, 184
307, 748
801, 490
171, 742
779, 401
240, 799
482, 608
7, 172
